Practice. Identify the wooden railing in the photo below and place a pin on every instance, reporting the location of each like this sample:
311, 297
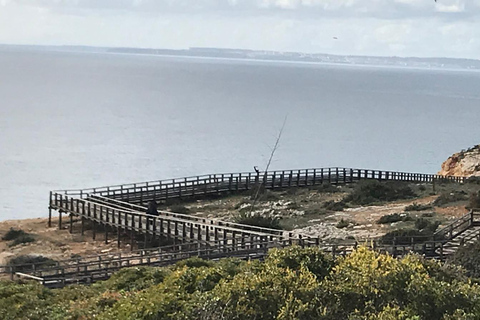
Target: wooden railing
122, 207
163, 190
94, 268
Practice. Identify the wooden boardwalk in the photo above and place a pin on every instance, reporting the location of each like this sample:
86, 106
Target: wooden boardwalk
218, 184
123, 209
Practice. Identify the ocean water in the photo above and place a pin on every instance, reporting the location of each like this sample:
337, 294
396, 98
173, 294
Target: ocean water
71, 120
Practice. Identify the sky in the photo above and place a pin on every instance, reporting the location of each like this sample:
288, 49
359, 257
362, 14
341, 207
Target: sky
422, 28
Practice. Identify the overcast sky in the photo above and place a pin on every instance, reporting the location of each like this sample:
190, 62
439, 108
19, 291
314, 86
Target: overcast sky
448, 28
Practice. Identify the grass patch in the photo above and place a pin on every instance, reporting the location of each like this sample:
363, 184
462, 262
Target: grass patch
418, 207
372, 191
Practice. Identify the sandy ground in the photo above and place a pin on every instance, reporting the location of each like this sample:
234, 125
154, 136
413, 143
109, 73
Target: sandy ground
52, 242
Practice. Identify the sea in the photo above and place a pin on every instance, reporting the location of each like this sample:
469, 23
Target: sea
78, 120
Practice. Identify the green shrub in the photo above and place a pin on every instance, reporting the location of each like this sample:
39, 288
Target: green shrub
450, 197
25, 262
26, 238
134, 279
326, 188
296, 257
342, 224
335, 205
194, 262
428, 214
424, 224
418, 207
13, 234
473, 180
468, 257
474, 201
394, 217
371, 191
258, 220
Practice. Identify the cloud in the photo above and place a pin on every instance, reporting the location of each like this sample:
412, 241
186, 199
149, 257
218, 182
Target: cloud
367, 27
355, 8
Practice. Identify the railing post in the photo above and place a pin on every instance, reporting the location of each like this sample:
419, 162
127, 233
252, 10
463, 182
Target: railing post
50, 210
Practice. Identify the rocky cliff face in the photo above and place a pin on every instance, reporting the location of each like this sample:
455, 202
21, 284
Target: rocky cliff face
464, 163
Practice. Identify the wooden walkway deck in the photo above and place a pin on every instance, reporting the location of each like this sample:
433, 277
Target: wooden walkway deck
122, 208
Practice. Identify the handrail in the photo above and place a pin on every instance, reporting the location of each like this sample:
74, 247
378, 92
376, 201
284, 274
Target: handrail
204, 222
251, 174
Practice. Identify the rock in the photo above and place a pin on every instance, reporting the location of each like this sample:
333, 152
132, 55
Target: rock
464, 163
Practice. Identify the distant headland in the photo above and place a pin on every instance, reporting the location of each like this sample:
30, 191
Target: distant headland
265, 55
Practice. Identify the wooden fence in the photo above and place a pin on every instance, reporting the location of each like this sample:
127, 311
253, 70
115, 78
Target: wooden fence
197, 186
122, 208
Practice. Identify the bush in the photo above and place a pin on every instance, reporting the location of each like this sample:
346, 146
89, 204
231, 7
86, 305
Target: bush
179, 208
418, 207
372, 191
450, 197
342, 224
473, 180
326, 188
132, 279
295, 258
26, 238
335, 205
424, 224
25, 262
474, 201
395, 217
258, 220
469, 257
13, 234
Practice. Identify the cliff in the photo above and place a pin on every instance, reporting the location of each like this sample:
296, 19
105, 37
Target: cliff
463, 163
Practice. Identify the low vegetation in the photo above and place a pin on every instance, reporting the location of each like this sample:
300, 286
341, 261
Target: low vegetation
258, 220
25, 262
372, 191
342, 224
418, 207
291, 283
450, 197
422, 231
18, 236
395, 217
